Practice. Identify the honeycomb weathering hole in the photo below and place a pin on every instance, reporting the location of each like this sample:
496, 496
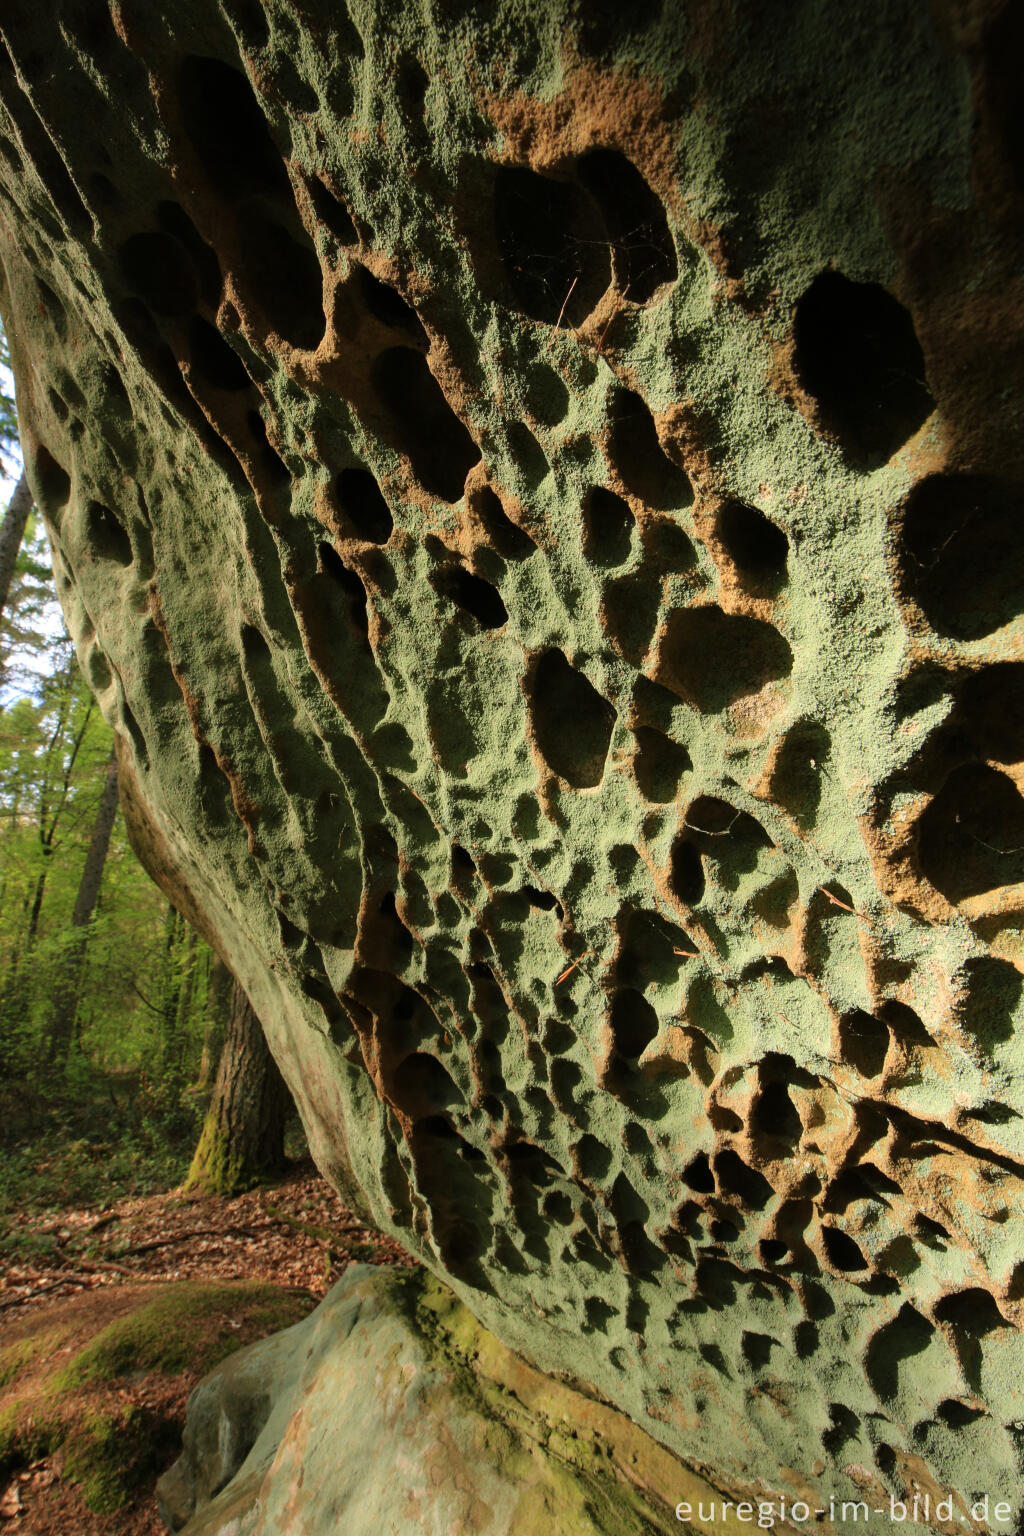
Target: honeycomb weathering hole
609, 527
659, 764
552, 244
214, 361
857, 355
53, 481
362, 502
160, 271
711, 658
636, 453
473, 594
506, 538
634, 1023
572, 722
971, 835
992, 709
387, 305
229, 132
643, 251
433, 438
283, 277
106, 534
959, 553
756, 546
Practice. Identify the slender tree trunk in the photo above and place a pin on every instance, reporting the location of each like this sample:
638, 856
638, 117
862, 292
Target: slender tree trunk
65, 994
242, 1140
12, 531
217, 1002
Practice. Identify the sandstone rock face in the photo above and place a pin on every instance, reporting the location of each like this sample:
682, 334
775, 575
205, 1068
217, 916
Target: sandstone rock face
390, 1408
537, 490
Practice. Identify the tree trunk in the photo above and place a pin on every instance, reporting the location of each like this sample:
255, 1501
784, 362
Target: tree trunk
242, 1140
217, 1001
12, 531
65, 995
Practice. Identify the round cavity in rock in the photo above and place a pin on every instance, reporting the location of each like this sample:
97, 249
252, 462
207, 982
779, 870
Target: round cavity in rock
857, 355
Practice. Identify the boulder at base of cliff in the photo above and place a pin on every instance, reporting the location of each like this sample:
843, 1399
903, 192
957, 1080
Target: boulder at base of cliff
390, 1408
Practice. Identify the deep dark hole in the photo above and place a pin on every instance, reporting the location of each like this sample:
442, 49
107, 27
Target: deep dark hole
973, 1311
960, 553
971, 836
552, 244
160, 270
271, 460
609, 527
362, 502
283, 276
413, 83
436, 442
229, 132
773, 1250
958, 1415
572, 722
138, 741
686, 873
544, 901
863, 1042
250, 20
842, 1251
757, 1349
387, 305
462, 859
592, 1158
505, 537
533, 1163
473, 594
637, 455
698, 1176
711, 658
214, 360
604, 25
988, 1011
735, 1177
332, 213
107, 535
992, 708
775, 1114
1003, 47
634, 1023
421, 1086
659, 764
643, 252
254, 646
351, 585
173, 220
723, 830
752, 541
856, 353
54, 482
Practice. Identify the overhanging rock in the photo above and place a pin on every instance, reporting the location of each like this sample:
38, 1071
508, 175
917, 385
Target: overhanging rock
536, 489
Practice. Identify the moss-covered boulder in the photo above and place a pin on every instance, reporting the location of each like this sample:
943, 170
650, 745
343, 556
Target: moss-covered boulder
391, 1408
96, 1386
537, 489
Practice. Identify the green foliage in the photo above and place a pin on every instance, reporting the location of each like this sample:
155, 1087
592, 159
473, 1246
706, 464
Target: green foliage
114, 1117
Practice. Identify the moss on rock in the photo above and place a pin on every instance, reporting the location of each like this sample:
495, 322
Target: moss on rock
104, 1398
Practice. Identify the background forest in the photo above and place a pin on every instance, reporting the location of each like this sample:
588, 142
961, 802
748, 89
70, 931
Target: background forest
111, 1009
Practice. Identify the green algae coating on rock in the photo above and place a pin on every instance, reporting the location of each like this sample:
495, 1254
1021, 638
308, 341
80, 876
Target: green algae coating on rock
538, 495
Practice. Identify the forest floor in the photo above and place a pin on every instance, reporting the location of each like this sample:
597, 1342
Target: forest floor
223, 1272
